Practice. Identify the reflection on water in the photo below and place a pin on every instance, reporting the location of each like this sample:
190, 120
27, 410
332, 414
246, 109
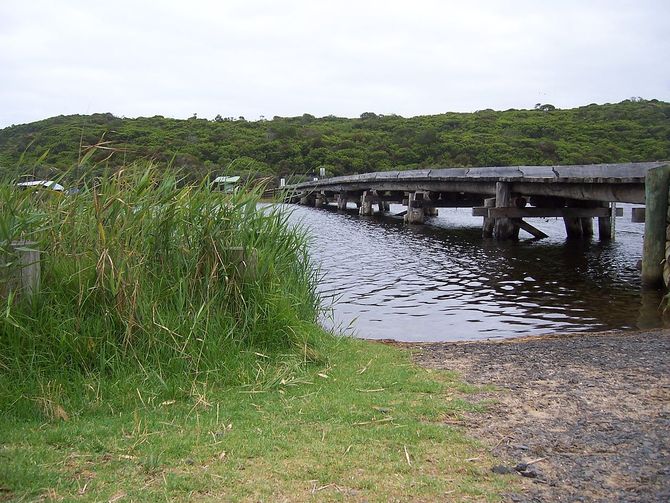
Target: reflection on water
442, 281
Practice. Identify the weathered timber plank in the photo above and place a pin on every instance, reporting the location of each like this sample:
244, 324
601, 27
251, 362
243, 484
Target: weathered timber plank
448, 173
589, 173
419, 174
627, 193
621, 171
543, 212
503, 172
533, 231
538, 172
621, 193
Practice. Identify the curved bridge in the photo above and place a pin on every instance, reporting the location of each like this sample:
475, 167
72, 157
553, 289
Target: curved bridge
505, 196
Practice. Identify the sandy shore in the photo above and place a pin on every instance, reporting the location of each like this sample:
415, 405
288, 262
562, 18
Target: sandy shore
591, 410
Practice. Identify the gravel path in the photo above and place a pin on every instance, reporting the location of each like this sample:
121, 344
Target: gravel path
593, 408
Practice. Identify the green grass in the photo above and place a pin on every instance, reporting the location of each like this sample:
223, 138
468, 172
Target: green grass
342, 430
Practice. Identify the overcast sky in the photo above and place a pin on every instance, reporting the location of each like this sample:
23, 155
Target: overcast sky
257, 58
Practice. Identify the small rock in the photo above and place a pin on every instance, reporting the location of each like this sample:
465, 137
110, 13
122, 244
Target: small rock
531, 474
501, 470
521, 467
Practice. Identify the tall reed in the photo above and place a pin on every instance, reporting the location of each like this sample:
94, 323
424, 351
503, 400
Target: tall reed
140, 271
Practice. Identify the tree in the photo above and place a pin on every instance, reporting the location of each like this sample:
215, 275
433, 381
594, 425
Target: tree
545, 108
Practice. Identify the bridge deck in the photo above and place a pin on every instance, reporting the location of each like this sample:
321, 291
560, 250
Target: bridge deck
601, 182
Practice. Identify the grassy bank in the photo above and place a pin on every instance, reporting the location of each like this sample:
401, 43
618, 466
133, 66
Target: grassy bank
172, 352
366, 425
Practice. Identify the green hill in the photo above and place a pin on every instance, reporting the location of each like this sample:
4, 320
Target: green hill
633, 130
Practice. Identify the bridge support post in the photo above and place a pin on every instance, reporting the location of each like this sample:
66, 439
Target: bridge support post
305, 200
366, 204
319, 201
587, 226
606, 224
573, 225
656, 201
414, 213
579, 227
342, 201
487, 227
384, 206
504, 228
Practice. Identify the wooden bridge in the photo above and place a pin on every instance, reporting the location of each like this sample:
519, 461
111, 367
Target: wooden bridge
505, 196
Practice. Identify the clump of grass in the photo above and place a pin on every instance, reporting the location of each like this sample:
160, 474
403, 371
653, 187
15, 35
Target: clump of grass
141, 273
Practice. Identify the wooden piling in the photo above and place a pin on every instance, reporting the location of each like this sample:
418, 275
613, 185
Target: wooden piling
587, 226
487, 227
414, 213
656, 184
605, 225
21, 270
585, 221
504, 228
366, 204
573, 225
342, 201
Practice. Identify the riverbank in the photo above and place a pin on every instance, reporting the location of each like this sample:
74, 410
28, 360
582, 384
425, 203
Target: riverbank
592, 411
364, 424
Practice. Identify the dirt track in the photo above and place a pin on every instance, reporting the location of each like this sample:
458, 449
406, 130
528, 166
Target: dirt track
595, 407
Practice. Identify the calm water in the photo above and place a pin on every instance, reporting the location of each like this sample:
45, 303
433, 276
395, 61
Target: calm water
442, 281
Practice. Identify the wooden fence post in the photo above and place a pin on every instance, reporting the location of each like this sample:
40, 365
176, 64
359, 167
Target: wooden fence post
656, 186
23, 277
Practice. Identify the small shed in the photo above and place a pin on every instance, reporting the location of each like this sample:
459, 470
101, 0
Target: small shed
226, 184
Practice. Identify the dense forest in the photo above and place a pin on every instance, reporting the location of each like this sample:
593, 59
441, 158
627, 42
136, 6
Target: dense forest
633, 130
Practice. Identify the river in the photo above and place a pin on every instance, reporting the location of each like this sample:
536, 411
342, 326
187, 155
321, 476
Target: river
443, 282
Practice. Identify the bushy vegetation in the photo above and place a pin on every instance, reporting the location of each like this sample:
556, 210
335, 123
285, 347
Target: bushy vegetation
141, 274
633, 130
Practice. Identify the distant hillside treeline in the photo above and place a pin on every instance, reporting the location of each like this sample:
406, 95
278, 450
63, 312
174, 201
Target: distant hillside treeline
633, 130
